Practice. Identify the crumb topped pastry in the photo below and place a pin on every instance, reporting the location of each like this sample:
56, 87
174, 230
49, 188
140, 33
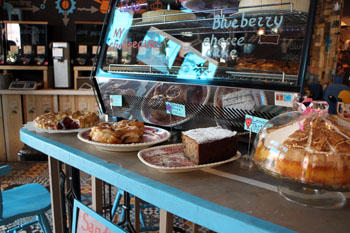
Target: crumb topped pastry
125, 131
66, 120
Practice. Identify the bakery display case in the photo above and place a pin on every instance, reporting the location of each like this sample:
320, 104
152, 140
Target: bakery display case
26, 43
219, 60
265, 46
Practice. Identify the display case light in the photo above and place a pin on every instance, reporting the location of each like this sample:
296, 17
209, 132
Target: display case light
261, 32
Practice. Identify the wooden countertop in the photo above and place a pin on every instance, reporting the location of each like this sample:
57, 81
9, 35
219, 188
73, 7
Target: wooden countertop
47, 92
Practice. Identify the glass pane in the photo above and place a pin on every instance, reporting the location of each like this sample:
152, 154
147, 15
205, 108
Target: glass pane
193, 41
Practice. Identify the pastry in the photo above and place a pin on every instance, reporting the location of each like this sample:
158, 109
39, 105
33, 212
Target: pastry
125, 131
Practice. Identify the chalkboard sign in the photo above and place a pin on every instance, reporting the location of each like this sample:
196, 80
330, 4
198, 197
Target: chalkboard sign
88, 33
85, 220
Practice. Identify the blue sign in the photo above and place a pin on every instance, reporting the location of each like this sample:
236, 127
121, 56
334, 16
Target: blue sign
194, 67
175, 109
116, 100
158, 50
254, 124
119, 28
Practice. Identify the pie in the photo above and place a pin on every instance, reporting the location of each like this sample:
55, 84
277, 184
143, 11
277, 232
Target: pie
66, 120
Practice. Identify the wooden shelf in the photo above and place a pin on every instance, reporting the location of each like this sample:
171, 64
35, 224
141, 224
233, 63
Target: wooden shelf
78, 74
47, 92
47, 72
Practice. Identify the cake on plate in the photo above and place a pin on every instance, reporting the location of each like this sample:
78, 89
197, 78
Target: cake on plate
66, 120
209, 145
313, 149
122, 132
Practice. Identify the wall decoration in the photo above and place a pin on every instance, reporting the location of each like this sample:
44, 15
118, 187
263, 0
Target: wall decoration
65, 7
103, 5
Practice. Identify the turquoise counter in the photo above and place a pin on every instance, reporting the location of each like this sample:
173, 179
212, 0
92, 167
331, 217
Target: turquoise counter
229, 198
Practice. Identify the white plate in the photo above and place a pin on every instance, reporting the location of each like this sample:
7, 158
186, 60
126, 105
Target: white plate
30, 126
151, 136
164, 155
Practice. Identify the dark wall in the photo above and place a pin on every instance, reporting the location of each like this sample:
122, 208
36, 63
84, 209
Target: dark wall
61, 14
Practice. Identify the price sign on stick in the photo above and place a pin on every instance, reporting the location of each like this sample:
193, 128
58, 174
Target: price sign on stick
254, 124
175, 109
116, 100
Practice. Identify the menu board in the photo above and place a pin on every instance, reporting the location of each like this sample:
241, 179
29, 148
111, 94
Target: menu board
237, 45
88, 32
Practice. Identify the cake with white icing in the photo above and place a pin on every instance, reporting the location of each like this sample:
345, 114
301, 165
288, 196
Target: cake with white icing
209, 145
312, 149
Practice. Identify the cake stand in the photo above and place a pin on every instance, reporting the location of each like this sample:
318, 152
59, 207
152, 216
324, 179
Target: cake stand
312, 197
299, 189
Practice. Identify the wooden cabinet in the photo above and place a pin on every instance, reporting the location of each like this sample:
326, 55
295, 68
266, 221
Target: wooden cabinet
78, 102
66, 103
85, 102
35, 105
12, 120
2, 136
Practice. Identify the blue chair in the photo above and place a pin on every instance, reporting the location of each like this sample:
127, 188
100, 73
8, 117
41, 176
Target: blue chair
24, 201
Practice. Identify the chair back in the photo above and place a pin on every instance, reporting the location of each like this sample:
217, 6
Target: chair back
4, 170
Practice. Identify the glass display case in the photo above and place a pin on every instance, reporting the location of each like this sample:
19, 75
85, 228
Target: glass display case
87, 35
265, 46
227, 56
26, 43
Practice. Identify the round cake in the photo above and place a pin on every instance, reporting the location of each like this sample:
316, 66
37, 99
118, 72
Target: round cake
312, 149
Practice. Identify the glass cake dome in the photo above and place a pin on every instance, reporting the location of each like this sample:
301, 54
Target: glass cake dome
309, 150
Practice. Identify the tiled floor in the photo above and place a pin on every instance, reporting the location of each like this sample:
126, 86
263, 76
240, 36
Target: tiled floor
37, 172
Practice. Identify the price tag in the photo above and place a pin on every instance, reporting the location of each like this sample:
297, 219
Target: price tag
14, 49
82, 49
284, 99
95, 49
175, 109
27, 49
254, 124
40, 49
116, 100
